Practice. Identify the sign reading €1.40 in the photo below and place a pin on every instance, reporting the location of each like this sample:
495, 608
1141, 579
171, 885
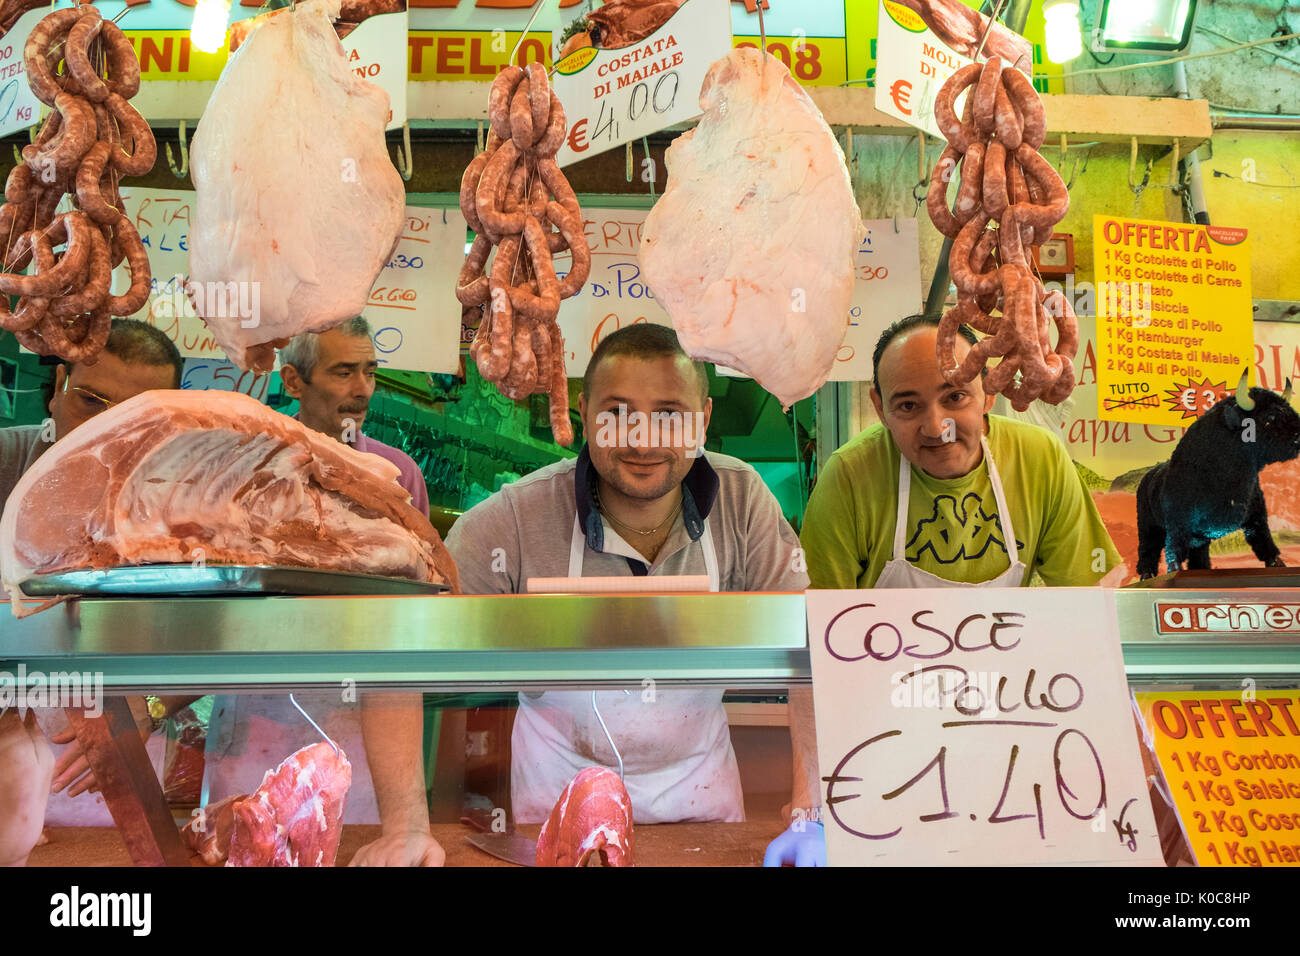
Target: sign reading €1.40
1175, 321
959, 728
1232, 765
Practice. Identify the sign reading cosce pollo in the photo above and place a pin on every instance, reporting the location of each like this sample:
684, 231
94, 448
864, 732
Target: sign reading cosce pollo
620, 91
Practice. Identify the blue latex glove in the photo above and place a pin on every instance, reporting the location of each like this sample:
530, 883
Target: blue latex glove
804, 844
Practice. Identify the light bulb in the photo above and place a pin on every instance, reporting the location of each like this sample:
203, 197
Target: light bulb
1063, 39
211, 19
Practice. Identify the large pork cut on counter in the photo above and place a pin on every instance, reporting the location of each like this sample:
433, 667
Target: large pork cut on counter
591, 823
295, 818
298, 203
751, 247
172, 477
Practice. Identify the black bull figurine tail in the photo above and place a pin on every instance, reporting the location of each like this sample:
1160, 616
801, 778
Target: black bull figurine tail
1210, 485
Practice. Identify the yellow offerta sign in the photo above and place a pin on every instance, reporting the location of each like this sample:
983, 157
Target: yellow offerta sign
1232, 763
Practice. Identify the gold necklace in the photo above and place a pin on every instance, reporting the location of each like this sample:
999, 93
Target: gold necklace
595, 493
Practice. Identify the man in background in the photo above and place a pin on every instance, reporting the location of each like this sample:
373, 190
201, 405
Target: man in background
332, 375
136, 358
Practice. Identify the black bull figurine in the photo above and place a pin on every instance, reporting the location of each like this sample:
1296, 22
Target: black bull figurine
1210, 485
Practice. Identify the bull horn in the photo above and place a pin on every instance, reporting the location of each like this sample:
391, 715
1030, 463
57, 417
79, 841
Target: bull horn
1244, 401
1286, 396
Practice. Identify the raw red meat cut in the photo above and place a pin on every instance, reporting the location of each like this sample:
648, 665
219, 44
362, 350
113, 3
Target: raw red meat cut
208, 832
624, 22
171, 476
295, 818
751, 247
297, 203
590, 825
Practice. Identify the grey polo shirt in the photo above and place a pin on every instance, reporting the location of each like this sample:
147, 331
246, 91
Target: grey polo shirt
525, 530
20, 446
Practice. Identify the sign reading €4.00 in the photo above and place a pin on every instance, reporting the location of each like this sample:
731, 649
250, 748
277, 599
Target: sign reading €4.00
1175, 320
1232, 765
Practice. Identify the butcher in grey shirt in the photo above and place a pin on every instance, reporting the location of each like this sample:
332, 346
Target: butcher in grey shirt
631, 506
625, 507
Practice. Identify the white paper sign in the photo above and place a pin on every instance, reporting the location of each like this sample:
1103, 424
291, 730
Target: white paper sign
887, 286
413, 311
976, 727
911, 66
163, 218
376, 51
19, 107
615, 295
615, 96
923, 42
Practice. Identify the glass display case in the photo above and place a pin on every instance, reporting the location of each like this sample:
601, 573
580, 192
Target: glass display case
500, 680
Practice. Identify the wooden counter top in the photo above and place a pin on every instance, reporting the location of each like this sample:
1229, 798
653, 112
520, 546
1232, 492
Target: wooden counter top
678, 844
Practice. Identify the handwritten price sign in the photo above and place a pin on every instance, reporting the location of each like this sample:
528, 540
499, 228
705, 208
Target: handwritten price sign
612, 97
615, 295
19, 108
886, 286
413, 312
976, 728
226, 377
376, 52
164, 218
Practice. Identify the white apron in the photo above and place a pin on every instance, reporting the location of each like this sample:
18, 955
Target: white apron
677, 758
901, 573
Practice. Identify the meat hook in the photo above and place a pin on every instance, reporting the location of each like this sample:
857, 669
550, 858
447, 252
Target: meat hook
527, 26
645, 143
993, 19
405, 161
618, 756
328, 740
184, 169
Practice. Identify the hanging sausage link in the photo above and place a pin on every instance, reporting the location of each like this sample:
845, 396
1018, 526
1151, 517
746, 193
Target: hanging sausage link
82, 66
506, 197
1004, 183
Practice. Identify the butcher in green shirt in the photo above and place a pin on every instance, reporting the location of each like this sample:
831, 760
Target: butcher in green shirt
939, 494
955, 528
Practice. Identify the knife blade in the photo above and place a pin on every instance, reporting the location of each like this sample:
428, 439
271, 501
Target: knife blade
511, 847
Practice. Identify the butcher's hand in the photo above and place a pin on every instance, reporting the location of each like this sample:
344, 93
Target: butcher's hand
401, 849
804, 844
72, 770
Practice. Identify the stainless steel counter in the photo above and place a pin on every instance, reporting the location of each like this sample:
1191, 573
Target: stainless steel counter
738, 640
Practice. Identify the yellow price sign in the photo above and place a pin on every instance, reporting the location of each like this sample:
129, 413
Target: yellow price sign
1175, 326
1232, 763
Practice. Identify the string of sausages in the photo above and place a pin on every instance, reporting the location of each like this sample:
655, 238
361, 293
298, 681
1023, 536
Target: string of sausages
83, 66
1007, 184
516, 199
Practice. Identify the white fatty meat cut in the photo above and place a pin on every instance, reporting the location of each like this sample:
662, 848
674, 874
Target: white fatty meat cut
168, 475
297, 200
751, 247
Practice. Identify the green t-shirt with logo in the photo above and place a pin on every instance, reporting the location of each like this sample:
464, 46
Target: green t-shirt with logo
953, 528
